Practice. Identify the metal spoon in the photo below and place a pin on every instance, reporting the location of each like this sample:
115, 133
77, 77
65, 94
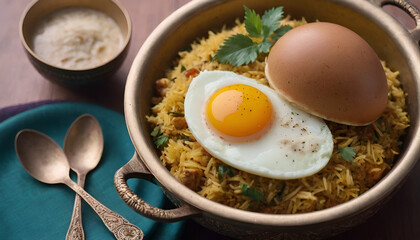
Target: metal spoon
83, 146
44, 160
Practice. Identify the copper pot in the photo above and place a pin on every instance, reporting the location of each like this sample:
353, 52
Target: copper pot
392, 43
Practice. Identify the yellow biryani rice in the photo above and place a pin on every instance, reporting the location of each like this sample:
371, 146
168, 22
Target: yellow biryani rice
375, 145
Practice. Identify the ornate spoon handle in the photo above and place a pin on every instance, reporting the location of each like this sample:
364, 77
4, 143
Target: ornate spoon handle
119, 226
75, 231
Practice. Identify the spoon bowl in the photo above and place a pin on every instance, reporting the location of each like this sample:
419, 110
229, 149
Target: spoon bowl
51, 166
83, 144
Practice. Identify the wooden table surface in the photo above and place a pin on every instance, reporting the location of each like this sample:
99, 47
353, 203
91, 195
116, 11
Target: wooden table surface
20, 83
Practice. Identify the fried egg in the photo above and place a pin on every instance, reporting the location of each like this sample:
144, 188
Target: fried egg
247, 125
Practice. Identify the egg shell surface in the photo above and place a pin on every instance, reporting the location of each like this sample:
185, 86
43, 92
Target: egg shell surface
329, 71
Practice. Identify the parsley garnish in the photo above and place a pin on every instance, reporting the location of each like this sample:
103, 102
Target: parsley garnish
240, 49
252, 193
223, 170
155, 132
159, 139
347, 153
281, 31
237, 50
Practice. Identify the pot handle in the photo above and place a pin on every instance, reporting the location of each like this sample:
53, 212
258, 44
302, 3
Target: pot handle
135, 168
408, 7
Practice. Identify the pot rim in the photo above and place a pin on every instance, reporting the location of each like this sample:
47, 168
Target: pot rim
363, 202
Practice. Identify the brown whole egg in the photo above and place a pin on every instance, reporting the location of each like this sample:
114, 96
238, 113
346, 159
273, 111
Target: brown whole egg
329, 71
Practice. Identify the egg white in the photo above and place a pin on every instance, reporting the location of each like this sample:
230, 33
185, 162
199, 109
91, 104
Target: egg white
297, 145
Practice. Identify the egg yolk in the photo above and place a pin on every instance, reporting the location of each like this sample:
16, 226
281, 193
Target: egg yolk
239, 110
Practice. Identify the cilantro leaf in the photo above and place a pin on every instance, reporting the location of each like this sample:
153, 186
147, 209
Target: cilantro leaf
237, 50
155, 132
223, 170
251, 192
348, 153
271, 20
253, 24
241, 49
161, 141
281, 31
264, 46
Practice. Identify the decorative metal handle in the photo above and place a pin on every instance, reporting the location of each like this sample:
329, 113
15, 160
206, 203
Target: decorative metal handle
136, 169
75, 231
408, 7
119, 226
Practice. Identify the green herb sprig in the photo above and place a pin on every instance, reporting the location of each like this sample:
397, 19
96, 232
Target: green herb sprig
223, 170
263, 32
348, 153
160, 140
252, 193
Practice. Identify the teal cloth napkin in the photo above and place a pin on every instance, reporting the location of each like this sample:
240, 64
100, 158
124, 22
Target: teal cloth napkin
33, 210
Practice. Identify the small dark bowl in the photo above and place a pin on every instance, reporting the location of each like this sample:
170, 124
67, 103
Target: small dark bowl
38, 9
